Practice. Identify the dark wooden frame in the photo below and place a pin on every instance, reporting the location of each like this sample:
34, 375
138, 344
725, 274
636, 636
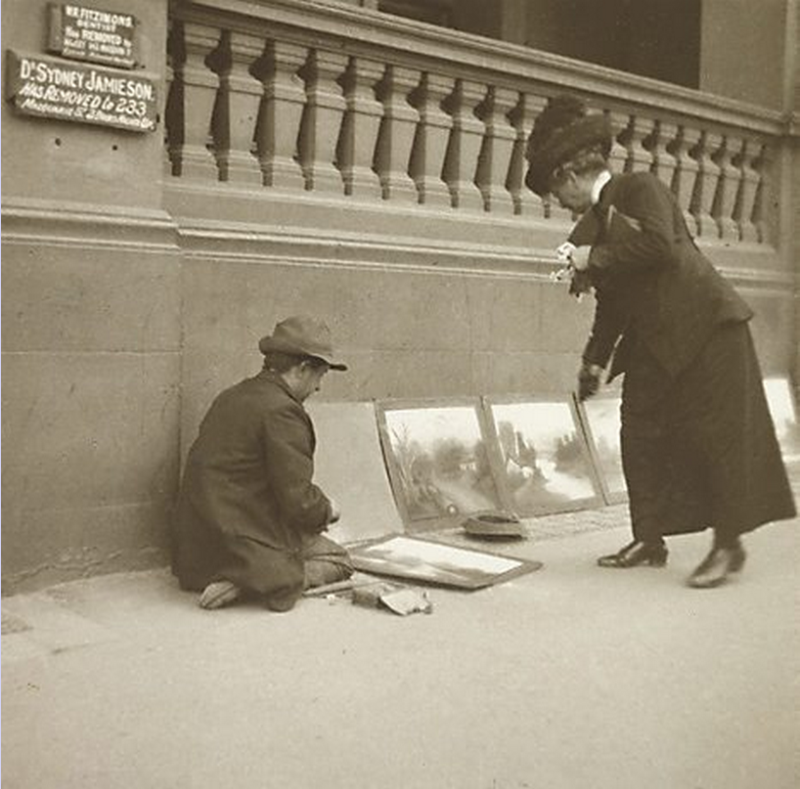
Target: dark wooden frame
427, 573
441, 519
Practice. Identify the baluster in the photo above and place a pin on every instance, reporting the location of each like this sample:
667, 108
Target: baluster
430, 140
639, 159
461, 160
727, 189
356, 149
200, 85
664, 163
748, 185
705, 184
685, 172
281, 110
396, 134
322, 121
173, 110
236, 108
552, 210
523, 116
618, 156
495, 155
761, 166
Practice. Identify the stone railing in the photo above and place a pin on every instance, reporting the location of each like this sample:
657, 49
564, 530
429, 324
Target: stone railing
353, 104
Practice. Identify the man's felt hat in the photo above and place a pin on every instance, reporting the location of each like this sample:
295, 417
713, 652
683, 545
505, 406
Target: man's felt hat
301, 335
561, 131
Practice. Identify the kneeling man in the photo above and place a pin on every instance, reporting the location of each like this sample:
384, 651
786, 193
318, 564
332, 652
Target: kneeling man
249, 519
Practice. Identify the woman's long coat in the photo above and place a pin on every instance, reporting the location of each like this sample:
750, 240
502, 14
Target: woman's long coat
699, 446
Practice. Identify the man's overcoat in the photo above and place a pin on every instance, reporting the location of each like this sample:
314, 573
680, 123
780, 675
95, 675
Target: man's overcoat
247, 501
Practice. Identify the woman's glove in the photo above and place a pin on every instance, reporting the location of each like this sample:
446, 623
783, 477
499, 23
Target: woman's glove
575, 262
588, 380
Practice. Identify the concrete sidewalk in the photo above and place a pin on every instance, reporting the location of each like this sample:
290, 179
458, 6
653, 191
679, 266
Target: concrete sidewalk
572, 677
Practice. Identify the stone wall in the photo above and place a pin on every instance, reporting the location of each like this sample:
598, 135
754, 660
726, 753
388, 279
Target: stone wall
132, 295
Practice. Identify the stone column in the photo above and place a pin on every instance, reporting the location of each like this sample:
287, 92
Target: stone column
356, 151
495, 156
430, 142
396, 135
461, 161
280, 113
727, 189
322, 121
705, 184
200, 86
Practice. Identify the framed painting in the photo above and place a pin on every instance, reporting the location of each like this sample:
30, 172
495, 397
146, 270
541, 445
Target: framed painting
417, 559
784, 417
438, 461
545, 465
600, 417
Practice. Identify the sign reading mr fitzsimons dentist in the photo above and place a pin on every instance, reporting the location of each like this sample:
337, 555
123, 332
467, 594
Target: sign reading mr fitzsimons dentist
82, 33
50, 88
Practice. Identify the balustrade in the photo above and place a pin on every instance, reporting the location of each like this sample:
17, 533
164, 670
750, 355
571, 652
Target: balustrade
280, 107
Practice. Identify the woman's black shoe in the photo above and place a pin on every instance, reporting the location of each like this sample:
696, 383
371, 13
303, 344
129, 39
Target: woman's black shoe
635, 554
717, 566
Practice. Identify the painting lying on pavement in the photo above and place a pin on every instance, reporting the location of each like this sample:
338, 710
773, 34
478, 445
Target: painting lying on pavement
418, 559
437, 459
546, 466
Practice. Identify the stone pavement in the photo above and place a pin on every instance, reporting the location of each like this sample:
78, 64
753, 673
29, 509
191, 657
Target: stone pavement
571, 677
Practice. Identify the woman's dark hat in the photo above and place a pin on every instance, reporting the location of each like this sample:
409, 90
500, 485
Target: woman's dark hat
562, 130
301, 335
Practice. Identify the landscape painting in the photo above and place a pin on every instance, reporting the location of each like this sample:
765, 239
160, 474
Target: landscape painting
437, 460
601, 416
546, 465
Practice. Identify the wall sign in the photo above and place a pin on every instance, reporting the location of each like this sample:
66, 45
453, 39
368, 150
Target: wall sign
49, 88
90, 34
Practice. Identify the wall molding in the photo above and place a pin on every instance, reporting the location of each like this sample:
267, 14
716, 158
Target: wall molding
65, 223
205, 240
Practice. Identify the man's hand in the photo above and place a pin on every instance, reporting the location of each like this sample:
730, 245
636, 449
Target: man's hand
588, 380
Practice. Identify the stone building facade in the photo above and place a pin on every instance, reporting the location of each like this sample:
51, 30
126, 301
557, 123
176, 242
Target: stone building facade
361, 161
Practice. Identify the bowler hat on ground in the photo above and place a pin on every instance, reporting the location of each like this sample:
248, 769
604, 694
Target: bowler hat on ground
301, 335
561, 131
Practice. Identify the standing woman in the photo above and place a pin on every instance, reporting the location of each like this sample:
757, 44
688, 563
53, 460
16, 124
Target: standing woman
698, 443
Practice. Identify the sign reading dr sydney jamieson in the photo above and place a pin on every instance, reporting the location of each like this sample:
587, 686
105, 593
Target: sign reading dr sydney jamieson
48, 88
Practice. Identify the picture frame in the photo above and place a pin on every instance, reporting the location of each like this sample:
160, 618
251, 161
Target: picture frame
439, 461
414, 558
544, 462
600, 418
783, 410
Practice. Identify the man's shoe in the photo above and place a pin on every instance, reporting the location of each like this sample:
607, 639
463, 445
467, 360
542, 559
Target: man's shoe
218, 594
717, 566
635, 554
